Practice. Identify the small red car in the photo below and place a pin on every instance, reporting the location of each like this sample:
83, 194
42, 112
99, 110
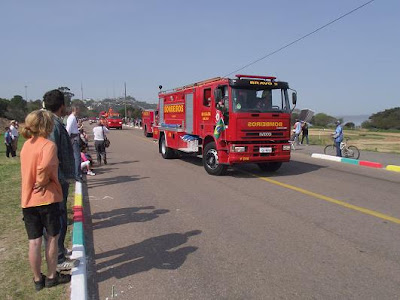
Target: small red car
114, 122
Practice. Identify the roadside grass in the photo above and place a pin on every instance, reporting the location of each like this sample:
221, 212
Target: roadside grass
16, 276
368, 140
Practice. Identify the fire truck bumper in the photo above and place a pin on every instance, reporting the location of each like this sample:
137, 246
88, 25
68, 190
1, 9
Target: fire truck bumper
255, 153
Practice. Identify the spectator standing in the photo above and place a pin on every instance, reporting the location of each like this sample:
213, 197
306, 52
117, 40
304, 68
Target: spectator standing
54, 102
297, 131
40, 194
338, 136
304, 130
15, 135
8, 142
99, 136
73, 131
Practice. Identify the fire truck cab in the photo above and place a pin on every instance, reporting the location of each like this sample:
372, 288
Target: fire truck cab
227, 121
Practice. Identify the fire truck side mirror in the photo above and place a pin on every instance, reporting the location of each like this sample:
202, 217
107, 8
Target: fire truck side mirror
217, 95
294, 98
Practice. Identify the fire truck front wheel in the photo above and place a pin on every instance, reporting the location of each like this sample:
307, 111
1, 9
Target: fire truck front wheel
165, 151
270, 167
210, 160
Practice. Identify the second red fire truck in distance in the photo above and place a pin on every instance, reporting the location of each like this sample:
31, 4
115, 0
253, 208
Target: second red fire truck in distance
227, 121
148, 120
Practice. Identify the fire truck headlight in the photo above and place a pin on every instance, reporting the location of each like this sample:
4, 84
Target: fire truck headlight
286, 147
238, 149
120, 122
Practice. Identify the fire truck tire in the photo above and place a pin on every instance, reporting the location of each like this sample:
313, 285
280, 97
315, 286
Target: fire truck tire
270, 167
166, 152
146, 134
210, 161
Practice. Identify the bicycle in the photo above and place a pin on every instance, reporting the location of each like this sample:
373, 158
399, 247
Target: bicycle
347, 151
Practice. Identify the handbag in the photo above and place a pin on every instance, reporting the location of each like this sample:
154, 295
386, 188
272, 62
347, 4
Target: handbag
106, 141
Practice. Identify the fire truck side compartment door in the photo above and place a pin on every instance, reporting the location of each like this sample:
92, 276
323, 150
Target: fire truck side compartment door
161, 112
189, 112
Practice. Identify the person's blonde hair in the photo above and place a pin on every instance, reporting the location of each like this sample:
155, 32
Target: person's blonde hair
38, 123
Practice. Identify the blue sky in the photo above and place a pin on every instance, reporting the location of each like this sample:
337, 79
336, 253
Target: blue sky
351, 67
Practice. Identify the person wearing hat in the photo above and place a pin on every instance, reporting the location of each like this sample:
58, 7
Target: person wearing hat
338, 137
14, 135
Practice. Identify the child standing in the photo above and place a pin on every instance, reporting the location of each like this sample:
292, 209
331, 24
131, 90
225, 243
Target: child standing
40, 196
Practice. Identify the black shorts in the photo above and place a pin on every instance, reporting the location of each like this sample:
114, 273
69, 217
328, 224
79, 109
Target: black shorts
39, 217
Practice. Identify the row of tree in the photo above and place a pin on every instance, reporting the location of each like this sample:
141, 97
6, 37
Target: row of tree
17, 107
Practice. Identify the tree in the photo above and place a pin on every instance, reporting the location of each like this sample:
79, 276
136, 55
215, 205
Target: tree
387, 119
3, 107
323, 120
17, 108
350, 125
34, 105
67, 95
83, 111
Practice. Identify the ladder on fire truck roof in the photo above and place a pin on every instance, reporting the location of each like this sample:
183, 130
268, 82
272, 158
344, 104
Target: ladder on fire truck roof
192, 85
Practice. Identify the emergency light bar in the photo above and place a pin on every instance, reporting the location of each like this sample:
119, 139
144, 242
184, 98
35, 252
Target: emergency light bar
255, 77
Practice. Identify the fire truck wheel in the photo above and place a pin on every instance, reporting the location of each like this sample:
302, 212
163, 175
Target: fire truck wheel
166, 152
270, 167
210, 161
146, 134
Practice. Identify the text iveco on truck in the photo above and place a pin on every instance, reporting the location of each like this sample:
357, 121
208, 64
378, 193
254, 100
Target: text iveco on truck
227, 122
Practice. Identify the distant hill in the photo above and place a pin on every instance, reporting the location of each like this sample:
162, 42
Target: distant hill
119, 103
356, 119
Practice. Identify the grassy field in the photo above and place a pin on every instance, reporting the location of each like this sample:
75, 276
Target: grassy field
377, 141
15, 276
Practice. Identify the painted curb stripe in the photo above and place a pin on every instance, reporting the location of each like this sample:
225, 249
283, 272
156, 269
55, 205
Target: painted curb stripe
349, 161
326, 157
78, 200
77, 236
78, 279
370, 164
393, 168
329, 199
79, 273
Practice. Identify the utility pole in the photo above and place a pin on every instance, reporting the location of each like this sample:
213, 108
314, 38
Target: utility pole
82, 91
125, 101
26, 93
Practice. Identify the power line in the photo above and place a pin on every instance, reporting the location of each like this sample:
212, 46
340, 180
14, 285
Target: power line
301, 38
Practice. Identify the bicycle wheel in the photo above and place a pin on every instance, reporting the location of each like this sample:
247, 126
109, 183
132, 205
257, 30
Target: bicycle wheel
352, 152
330, 150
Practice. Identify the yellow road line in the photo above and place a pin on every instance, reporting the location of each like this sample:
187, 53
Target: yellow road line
331, 200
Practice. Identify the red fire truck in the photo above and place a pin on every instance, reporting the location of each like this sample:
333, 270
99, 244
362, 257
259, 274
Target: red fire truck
227, 121
148, 120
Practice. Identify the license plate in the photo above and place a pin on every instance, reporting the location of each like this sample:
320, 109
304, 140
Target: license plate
265, 149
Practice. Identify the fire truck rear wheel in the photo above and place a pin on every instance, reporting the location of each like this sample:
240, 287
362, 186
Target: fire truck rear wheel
166, 152
270, 167
210, 161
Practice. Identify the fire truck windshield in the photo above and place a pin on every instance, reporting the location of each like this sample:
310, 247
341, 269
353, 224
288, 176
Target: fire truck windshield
260, 100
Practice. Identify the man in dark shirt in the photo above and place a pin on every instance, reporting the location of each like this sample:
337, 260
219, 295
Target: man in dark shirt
54, 102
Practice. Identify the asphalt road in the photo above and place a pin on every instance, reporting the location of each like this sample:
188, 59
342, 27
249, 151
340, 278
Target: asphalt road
164, 229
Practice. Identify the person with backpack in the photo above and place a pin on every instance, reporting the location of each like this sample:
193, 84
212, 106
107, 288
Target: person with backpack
100, 132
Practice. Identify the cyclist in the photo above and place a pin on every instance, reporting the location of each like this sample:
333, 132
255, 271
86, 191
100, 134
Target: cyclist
338, 137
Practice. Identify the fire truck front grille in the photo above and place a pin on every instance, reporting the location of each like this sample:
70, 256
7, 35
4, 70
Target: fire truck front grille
261, 134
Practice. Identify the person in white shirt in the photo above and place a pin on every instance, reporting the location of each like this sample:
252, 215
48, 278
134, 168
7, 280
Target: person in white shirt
100, 132
73, 131
14, 135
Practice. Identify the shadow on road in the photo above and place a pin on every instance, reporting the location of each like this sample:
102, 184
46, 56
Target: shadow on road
96, 182
288, 169
125, 215
153, 253
126, 162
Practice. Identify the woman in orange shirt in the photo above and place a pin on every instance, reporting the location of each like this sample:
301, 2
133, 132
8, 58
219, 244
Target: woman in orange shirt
40, 194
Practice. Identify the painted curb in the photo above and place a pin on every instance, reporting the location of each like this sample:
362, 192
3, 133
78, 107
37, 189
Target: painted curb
356, 162
79, 273
393, 168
